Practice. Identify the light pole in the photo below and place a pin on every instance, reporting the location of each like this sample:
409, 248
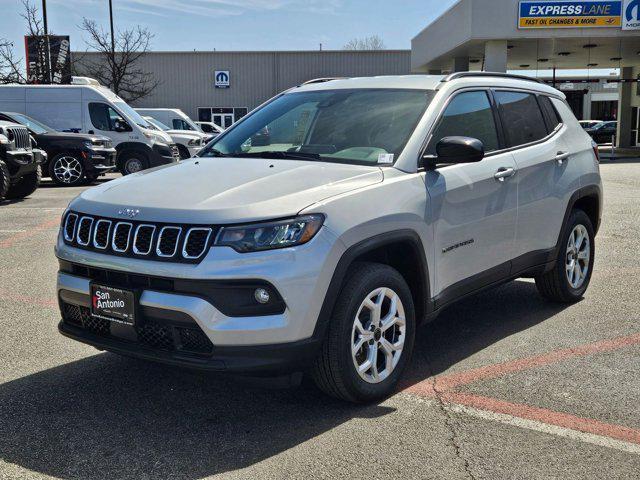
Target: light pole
47, 53
113, 41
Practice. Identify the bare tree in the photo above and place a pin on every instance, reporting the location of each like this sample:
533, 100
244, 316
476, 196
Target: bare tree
373, 42
119, 70
10, 70
10, 65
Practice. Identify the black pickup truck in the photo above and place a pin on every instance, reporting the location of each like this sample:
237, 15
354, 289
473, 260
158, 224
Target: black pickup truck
73, 158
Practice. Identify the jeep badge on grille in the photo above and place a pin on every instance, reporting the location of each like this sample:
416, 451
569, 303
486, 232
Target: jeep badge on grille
128, 212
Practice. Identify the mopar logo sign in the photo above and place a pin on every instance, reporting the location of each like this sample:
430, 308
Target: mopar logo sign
222, 79
631, 15
571, 14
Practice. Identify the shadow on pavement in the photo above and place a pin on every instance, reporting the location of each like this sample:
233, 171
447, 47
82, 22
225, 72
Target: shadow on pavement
106, 416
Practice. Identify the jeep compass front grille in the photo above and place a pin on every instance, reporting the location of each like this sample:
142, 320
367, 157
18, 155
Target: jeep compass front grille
176, 243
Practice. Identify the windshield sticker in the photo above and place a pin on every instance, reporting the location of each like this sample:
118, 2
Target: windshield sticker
385, 158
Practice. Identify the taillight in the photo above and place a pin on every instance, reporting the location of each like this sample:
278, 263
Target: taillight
594, 145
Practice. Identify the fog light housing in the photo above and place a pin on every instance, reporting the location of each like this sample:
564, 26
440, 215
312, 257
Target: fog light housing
261, 295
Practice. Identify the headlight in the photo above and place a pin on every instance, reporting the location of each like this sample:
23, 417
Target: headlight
267, 236
194, 142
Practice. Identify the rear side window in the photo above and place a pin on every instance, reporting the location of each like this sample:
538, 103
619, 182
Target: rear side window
521, 116
469, 114
550, 113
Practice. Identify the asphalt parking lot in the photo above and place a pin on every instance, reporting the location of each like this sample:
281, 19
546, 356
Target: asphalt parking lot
502, 385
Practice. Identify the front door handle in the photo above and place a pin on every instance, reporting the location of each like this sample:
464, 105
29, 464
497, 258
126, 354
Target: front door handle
561, 157
504, 172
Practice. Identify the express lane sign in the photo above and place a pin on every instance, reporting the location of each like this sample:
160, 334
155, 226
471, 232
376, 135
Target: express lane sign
570, 14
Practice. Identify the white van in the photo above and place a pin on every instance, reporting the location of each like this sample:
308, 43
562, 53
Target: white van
175, 118
94, 109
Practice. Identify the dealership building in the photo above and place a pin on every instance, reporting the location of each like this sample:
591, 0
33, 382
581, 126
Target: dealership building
489, 35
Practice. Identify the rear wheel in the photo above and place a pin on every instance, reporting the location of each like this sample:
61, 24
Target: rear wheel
571, 275
66, 170
133, 162
370, 338
26, 185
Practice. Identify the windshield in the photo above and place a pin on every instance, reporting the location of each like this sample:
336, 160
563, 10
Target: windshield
131, 114
157, 123
31, 124
361, 126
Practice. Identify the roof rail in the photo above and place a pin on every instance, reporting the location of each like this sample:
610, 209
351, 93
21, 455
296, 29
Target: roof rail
455, 76
321, 80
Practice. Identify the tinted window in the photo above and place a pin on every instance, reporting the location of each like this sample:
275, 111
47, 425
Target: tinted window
522, 118
468, 114
103, 117
550, 113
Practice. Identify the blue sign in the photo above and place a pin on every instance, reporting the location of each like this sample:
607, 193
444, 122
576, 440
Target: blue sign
222, 79
631, 20
570, 14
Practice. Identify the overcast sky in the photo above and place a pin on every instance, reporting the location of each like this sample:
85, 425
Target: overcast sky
239, 24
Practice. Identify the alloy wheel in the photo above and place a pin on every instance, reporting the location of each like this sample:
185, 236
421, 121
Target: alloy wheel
578, 256
67, 170
378, 335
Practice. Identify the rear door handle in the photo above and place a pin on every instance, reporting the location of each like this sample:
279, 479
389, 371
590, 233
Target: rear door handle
561, 157
504, 172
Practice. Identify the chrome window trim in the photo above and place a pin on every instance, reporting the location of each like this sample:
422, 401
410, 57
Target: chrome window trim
113, 238
79, 225
488, 89
135, 238
186, 241
75, 226
95, 230
175, 248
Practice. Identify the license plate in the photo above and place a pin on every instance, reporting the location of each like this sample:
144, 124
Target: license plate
113, 304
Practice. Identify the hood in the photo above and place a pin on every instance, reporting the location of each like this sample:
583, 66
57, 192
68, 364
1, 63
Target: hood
186, 134
225, 190
81, 137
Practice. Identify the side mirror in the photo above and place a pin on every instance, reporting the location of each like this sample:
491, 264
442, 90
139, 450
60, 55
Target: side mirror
121, 126
459, 150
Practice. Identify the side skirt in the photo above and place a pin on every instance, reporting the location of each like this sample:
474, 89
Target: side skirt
528, 265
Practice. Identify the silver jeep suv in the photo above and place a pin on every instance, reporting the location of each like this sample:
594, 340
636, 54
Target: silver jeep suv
318, 232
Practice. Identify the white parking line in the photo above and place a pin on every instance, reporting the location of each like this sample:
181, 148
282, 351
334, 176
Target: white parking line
546, 428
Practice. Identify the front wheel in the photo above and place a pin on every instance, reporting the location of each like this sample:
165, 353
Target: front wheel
26, 185
66, 170
133, 162
570, 277
370, 336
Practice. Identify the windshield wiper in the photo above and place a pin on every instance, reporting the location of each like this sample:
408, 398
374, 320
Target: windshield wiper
280, 155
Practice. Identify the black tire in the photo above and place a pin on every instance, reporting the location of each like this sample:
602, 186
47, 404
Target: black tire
184, 152
63, 180
5, 179
26, 185
554, 285
334, 371
132, 162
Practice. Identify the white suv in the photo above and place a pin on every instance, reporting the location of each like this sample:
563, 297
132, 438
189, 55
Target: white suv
371, 205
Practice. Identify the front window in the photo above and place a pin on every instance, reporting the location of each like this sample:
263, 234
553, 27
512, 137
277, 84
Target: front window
130, 113
33, 125
157, 123
362, 126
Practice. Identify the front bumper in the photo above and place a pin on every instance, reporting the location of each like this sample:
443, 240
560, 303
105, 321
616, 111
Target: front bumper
163, 317
100, 160
22, 157
164, 155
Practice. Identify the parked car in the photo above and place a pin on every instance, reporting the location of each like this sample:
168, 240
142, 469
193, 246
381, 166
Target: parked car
20, 161
189, 142
92, 109
73, 158
589, 123
378, 203
173, 117
603, 132
210, 127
